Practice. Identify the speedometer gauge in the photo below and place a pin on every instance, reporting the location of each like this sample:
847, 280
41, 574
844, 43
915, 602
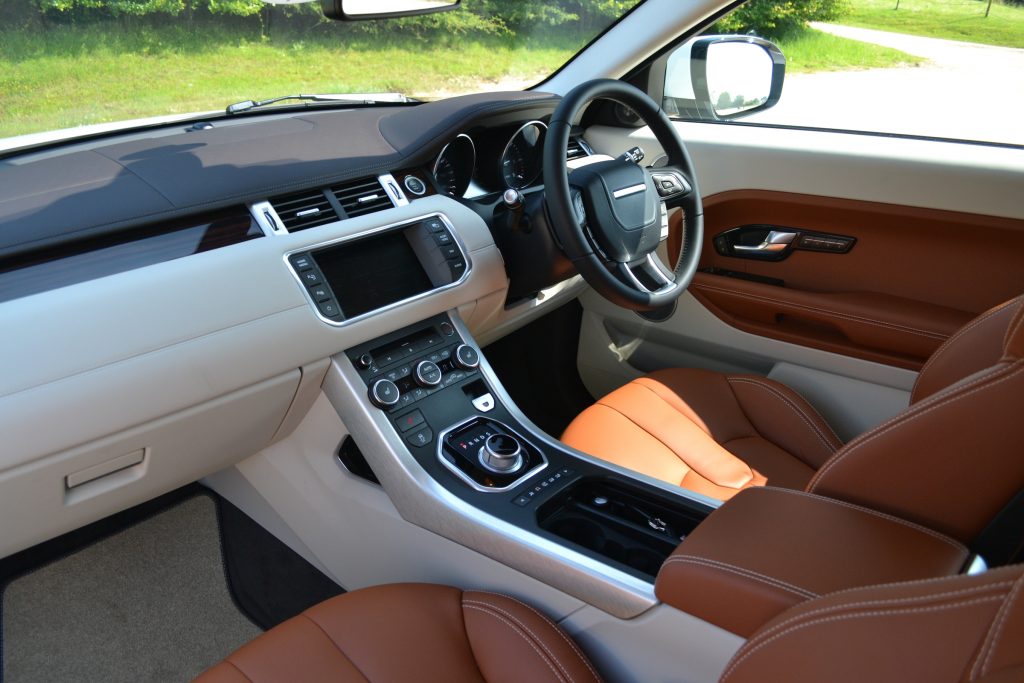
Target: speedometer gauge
521, 161
455, 164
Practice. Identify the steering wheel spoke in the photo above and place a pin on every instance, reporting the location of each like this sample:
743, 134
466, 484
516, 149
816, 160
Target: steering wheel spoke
611, 235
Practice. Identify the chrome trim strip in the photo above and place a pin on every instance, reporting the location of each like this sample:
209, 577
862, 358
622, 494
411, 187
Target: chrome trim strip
266, 217
462, 475
392, 189
423, 501
373, 231
626, 191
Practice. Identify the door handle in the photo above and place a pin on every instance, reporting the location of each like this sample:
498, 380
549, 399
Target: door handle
776, 241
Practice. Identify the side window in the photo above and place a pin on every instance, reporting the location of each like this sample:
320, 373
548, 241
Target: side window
929, 68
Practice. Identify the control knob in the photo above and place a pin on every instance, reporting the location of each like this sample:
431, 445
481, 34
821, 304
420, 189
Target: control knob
427, 374
502, 453
384, 393
466, 357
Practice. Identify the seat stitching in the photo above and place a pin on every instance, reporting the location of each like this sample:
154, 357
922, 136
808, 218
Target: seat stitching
238, 669
893, 584
1010, 334
655, 437
995, 633
512, 617
742, 571
669, 404
558, 630
959, 333
880, 603
960, 547
933, 402
522, 635
756, 643
335, 644
831, 447
836, 314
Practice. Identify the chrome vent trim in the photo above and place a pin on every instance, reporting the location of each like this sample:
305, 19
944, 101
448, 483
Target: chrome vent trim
362, 197
304, 210
577, 149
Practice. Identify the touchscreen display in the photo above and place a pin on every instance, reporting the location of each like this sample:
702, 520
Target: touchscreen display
373, 272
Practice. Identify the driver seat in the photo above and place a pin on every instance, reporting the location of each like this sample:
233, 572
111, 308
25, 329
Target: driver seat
949, 460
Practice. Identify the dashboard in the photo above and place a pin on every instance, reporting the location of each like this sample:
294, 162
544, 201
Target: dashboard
153, 296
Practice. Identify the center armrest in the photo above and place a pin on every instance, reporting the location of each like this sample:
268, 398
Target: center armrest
768, 549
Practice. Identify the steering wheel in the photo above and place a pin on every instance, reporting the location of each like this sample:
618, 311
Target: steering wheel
607, 215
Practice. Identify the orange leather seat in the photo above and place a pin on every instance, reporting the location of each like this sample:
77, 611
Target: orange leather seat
963, 628
718, 434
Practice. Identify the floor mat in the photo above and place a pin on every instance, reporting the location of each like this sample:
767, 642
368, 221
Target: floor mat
150, 603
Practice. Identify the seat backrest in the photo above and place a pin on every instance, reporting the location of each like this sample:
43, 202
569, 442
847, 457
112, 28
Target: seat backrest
955, 458
952, 630
974, 347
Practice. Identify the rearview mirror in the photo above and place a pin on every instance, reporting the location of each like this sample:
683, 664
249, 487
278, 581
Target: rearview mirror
723, 77
357, 10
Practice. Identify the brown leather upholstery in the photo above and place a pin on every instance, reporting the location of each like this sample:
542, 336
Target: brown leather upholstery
949, 462
711, 433
769, 549
410, 632
952, 630
944, 462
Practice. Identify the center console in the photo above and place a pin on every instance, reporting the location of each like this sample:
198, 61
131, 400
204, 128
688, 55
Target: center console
426, 380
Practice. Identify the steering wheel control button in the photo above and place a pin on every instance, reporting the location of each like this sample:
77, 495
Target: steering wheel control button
421, 437
670, 183
410, 420
384, 393
427, 374
434, 225
415, 185
466, 357
501, 453
484, 403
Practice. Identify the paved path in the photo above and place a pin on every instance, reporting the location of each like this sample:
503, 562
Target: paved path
964, 90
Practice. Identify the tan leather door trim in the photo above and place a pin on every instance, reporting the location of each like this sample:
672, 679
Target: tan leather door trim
914, 276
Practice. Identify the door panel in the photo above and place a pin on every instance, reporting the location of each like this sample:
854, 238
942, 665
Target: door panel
939, 231
912, 278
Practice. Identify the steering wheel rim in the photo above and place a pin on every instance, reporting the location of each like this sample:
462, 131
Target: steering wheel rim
597, 249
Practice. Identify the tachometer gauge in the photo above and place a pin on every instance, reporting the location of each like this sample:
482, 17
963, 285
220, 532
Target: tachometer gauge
521, 161
455, 164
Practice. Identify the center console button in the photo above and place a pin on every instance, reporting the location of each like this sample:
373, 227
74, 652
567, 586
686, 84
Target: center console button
365, 360
427, 374
484, 403
410, 420
421, 437
466, 357
384, 393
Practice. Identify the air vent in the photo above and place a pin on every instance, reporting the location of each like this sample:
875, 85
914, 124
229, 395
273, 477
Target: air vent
361, 197
577, 149
304, 210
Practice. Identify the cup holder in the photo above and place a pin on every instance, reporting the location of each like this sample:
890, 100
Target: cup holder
625, 524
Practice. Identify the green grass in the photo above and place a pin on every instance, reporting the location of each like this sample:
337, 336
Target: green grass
953, 19
812, 50
77, 76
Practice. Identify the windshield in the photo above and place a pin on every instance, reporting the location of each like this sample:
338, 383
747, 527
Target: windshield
71, 63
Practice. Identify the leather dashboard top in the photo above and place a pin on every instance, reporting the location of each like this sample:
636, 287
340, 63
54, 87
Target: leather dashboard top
85, 189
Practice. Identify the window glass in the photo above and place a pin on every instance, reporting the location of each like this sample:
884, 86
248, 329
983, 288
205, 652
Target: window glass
937, 68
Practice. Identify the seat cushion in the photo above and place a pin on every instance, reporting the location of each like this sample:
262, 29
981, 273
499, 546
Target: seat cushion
410, 632
708, 432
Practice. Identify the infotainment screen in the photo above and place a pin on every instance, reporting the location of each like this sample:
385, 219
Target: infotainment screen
373, 272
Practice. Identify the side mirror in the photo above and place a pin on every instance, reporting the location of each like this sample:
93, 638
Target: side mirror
357, 10
718, 78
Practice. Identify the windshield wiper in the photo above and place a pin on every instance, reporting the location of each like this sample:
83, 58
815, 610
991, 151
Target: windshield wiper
374, 98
